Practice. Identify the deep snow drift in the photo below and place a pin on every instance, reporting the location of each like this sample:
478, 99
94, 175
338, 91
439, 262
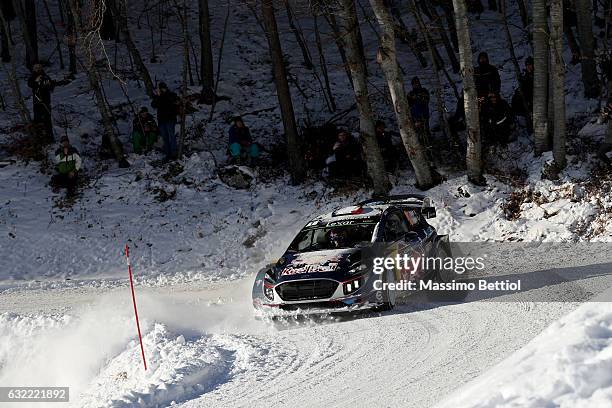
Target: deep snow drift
567, 366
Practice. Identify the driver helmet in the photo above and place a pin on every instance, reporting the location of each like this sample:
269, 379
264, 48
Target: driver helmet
337, 238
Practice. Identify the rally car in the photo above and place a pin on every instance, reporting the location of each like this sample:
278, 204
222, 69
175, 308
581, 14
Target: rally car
329, 264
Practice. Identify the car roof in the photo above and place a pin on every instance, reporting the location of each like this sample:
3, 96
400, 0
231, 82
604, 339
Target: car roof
369, 210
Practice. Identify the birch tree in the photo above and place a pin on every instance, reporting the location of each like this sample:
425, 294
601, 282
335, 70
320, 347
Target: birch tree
540, 76
584, 13
425, 175
294, 154
558, 82
470, 99
374, 159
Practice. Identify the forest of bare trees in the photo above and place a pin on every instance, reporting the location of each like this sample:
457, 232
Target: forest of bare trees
73, 38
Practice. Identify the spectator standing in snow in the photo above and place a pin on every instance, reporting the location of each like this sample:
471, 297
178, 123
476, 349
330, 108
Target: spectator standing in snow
385, 143
346, 161
241, 145
486, 77
167, 104
42, 87
68, 164
497, 120
144, 131
418, 100
522, 100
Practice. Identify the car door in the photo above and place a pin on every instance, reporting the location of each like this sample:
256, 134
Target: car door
419, 225
404, 242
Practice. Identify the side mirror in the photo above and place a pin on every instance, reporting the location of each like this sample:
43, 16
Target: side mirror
427, 209
428, 212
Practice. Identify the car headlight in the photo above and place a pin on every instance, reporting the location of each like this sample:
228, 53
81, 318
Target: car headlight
268, 291
353, 285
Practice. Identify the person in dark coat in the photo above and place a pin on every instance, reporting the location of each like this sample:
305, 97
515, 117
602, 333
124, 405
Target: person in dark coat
475, 7
68, 164
42, 87
522, 100
497, 120
167, 104
385, 143
418, 100
486, 77
144, 131
347, 156
241, 145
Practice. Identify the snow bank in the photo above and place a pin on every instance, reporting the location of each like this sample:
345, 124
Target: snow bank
569, 365
192, 345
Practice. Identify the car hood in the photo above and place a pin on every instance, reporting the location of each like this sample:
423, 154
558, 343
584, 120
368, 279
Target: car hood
333, 264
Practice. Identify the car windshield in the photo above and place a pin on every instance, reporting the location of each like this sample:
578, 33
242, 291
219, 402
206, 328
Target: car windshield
333, 237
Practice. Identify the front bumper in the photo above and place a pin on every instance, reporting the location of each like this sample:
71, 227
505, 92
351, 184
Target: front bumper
363, 298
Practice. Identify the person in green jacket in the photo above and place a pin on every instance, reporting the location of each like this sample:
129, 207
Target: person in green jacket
68, 164
144, 131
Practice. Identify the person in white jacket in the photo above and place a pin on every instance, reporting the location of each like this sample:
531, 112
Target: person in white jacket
68, 164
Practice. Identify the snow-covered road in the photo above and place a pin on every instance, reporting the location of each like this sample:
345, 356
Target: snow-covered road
205, 349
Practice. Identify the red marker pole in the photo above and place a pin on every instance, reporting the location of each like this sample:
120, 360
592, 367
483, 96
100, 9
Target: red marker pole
127, 257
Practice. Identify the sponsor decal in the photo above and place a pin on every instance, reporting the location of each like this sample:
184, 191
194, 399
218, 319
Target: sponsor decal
293, 270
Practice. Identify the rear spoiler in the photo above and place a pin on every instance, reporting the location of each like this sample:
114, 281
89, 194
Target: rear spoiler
405, 200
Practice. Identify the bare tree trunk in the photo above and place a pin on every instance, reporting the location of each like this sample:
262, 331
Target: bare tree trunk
470, 100
540, 76
94, 81
323, 64
437, 67
5, 54
206, 57
558, 74
120, 11
298, 37
584, 13
425, 176
183, 115
70, 38
523, 12
374, 159
58, 43
26, 13
403, 33
331, 20
12, 76
517, 68
450, 22
437, 23
294, 153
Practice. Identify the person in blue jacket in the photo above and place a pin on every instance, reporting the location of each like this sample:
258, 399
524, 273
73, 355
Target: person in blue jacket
241, 146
